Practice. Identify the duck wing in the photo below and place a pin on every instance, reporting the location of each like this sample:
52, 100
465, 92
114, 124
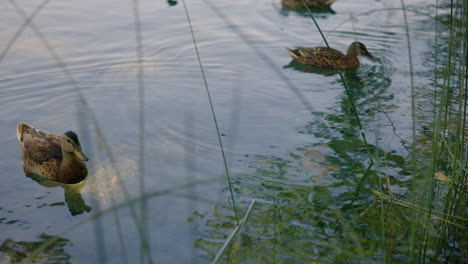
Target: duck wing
39, 146
321, 56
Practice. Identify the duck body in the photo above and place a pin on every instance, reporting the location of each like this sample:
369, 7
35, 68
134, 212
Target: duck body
308, 3
56, 158
330, 58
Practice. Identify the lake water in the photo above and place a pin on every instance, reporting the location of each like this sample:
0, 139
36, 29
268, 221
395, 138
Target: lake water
290, 137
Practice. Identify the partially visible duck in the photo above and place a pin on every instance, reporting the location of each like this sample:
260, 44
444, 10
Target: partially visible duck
309, 3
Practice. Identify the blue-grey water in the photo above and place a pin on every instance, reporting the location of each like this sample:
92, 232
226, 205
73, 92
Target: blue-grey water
290, 137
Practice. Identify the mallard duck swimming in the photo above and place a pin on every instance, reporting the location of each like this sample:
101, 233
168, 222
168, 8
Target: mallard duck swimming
309, 3
322, 57
56, 158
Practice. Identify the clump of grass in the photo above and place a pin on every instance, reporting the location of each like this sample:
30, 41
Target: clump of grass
449, 145
449, 148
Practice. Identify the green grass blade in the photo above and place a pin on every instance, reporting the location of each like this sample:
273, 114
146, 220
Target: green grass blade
233, 234
218, 133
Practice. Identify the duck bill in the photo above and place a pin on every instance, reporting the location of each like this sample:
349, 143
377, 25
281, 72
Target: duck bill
80, 155
371, 57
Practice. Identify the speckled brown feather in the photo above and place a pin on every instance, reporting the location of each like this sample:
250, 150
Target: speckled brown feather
42, 155
321, 57
309, 3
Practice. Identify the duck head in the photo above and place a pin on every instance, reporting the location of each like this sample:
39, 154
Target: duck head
357, 48
71, 144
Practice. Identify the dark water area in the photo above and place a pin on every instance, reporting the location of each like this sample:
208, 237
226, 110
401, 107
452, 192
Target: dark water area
290, 135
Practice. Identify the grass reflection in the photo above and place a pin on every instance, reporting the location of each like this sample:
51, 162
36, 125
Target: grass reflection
17, 251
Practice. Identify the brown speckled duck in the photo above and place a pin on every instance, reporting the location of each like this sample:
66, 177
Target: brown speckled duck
309, 3
321, 56
56, 158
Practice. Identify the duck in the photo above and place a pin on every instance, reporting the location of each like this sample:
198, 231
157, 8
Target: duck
308, 3
53, 157
322, 57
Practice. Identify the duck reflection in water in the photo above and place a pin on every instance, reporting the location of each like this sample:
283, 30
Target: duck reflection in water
312, 69
73, 199
356, 79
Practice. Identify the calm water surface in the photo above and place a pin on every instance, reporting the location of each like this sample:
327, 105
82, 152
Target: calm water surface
290, 136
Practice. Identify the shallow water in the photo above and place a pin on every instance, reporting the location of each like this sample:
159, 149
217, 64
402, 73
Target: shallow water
289, 134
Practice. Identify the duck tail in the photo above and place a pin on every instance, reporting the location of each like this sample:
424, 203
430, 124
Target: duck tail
21, 128
292, 53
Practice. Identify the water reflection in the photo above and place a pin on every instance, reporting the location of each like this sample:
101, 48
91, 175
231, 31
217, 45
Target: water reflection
17, 251
72, 192
310, 202
300, 216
